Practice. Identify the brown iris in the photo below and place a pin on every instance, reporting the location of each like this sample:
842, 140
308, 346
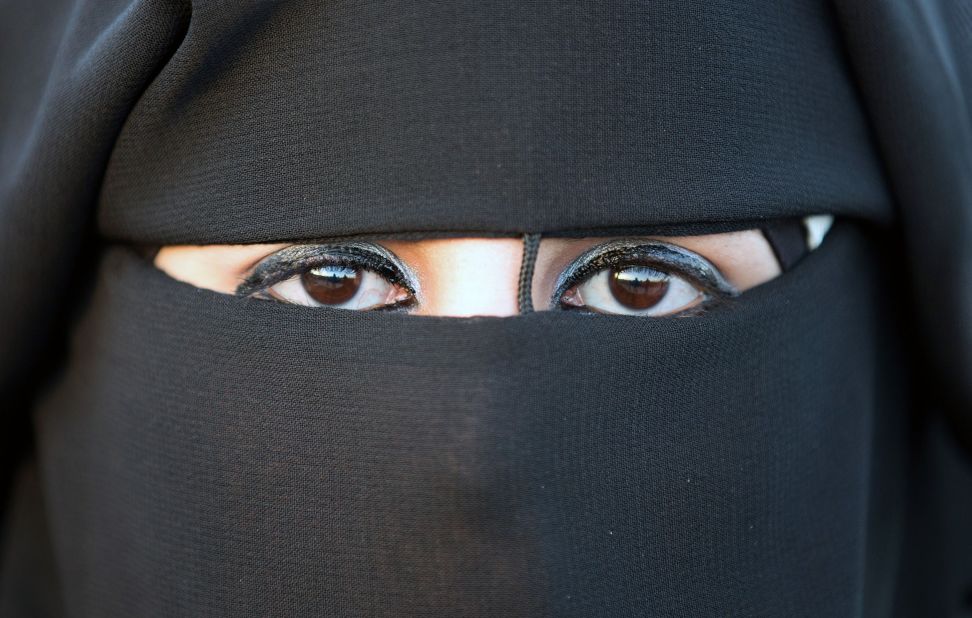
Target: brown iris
637, 287
332, 285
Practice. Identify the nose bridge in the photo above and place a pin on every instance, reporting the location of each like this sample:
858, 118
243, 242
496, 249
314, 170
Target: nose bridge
470, 276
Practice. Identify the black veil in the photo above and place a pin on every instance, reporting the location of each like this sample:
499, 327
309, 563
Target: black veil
172, 450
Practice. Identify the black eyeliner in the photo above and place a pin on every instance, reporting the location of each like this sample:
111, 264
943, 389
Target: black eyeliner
297, 259
665, 257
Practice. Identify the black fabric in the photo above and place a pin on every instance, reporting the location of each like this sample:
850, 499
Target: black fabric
788, 240
354, 463
191, 453
528, 262
29, 585
914, 62
372, 116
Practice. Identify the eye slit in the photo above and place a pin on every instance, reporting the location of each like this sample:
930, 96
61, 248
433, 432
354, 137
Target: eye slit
332, 284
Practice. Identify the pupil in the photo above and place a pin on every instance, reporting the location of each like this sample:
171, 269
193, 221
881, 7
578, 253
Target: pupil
332, 285
638, 287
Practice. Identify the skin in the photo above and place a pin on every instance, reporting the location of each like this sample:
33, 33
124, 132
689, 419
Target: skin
474, 276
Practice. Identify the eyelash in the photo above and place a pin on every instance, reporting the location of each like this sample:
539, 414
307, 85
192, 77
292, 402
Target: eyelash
296, 260
669, 259
665, 257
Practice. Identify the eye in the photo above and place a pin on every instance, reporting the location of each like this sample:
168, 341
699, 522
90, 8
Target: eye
633, 290
357, 276
341, 287
639, 278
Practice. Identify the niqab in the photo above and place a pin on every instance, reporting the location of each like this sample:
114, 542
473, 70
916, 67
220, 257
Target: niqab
178, 451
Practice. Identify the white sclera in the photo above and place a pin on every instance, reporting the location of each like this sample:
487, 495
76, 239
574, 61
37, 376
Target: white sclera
375, 291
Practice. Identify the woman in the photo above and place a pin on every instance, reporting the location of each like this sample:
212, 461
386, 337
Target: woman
428, 308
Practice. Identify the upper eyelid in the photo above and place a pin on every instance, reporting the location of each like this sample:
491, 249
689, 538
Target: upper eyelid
285, 263
667, 256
